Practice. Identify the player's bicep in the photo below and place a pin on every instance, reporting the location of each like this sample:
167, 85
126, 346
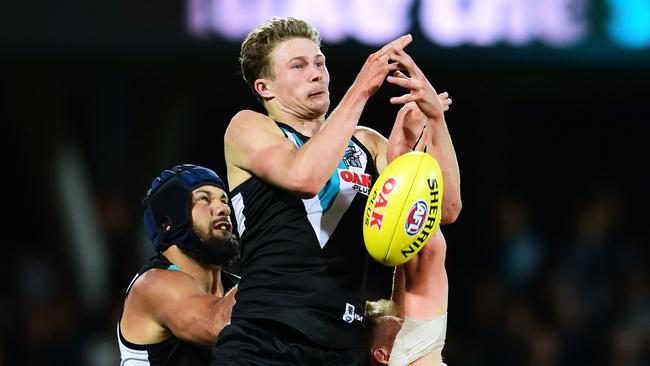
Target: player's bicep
381, 160
179, 305
166, 292
376, 144
256, 145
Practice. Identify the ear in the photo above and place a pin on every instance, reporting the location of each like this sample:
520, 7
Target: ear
261, 87
380, 355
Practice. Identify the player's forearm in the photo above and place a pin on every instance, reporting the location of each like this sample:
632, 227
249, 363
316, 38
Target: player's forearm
440, 145
425, 279
201, 330
400, 141
203, 319
395, 149
319, 157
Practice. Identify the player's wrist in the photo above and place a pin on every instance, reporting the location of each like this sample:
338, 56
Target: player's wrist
357, 91
355, 99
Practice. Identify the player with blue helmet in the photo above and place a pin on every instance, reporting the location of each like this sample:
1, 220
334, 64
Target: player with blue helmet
178, 303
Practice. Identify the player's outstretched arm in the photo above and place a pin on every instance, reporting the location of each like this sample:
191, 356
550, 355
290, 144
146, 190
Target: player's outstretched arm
422, 290
409, 128
436, 135
258, 147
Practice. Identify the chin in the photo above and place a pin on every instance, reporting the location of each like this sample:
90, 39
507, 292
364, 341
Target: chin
219, 235
322, 107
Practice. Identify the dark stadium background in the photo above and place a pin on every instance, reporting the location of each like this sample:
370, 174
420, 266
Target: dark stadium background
548, 262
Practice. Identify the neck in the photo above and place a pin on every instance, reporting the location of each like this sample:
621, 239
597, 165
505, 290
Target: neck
207, 277
307, 125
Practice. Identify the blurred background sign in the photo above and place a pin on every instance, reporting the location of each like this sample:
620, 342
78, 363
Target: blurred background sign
580, 30
518, 32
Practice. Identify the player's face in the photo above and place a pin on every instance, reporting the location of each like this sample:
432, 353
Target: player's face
211, 214
301, 83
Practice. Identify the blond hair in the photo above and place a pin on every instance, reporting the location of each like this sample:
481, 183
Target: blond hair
377, 309
255, 54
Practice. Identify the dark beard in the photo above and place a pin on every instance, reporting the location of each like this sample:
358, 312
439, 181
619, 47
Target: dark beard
211, 251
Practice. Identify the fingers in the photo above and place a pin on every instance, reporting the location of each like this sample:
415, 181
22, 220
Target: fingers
400, 74
391, 67
410, 106
406, 62
406, 98
393, 46
445, 101
402, 81
403, 41
397, 44
446, 104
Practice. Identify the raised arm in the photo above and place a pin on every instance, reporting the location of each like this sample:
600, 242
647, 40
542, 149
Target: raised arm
256, 146
436, 135
409, 128
422, 291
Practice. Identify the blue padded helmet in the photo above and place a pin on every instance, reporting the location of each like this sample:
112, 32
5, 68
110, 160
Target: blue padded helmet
168, 203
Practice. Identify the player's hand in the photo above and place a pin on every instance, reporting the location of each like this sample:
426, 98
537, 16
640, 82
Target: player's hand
228, 301
379, 65
445, 100
420, 89
411, 121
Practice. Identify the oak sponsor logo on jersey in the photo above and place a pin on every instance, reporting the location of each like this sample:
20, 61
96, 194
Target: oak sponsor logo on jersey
379, 200
359, 181
421, 239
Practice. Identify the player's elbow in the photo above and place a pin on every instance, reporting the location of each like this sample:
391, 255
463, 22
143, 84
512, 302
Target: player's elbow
305, 186
450, 212
436, 248
197, 332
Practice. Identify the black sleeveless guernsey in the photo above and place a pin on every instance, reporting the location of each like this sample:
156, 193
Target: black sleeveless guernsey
303, 260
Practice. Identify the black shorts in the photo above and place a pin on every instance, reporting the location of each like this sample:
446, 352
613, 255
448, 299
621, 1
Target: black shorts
270, 343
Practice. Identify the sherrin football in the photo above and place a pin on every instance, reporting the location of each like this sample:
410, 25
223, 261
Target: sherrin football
403, 208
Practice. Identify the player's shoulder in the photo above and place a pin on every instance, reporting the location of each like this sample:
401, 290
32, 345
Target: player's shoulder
247, 116
160, 283
248, 122
370, 138
365, 131
251, 127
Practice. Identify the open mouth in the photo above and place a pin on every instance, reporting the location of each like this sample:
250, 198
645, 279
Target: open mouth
222, 226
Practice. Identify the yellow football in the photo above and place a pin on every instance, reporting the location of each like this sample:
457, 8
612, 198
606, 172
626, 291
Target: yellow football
403, 208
